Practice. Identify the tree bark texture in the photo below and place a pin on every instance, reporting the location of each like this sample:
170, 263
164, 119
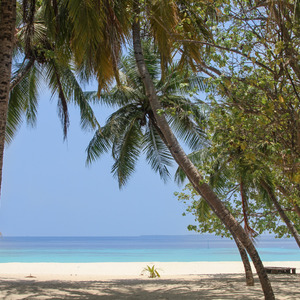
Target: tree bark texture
190, 170
246, 262
242, 251
7, 30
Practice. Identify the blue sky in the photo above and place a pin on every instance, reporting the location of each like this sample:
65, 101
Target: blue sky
48, 191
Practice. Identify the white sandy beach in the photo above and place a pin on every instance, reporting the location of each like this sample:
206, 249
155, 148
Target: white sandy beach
179, 280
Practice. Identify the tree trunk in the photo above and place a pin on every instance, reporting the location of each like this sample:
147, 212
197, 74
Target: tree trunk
246, 263
282, 214
7, 30
190, 170
243, 253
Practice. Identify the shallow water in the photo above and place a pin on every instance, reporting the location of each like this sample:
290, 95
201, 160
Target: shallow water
139, 249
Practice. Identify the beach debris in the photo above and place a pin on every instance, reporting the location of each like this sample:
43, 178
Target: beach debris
153, 273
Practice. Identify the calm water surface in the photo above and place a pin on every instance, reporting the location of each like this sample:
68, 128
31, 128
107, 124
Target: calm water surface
138, 249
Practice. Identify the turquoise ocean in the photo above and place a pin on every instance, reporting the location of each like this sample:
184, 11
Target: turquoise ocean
186, 248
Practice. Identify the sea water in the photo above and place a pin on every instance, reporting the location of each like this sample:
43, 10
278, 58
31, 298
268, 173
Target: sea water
139, 249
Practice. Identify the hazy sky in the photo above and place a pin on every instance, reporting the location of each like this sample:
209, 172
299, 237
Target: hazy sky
48, 191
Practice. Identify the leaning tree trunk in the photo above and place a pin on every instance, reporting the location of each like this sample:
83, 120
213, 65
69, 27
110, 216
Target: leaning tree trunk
241, 248
282, 214
246, 262
190, 170
7, 28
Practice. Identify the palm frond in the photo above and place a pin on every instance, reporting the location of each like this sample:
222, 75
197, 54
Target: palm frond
183, 82
203, 210
120, 95
81, 99
163, 17
56, 85
157, 153
99, 144
188, 131
126, 153
23, 102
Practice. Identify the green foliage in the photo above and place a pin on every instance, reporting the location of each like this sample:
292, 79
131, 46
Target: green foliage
254, 121
256, 95
227, 173
152, 271
131, 130
44, 61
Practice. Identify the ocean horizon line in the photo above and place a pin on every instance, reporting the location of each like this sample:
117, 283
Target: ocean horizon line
133, 236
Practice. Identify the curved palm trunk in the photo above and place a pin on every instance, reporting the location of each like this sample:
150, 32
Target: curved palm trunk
241, 248
7, 27
282, 214
246, 262
190, 170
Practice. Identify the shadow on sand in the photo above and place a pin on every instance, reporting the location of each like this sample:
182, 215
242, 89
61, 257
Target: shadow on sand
210, 287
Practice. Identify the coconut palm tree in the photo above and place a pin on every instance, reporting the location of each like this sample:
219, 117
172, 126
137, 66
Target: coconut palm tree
96, 32
132, 129
34, 37
232, 173
43, 62
164, 21
230, 169
184, 162
7, 31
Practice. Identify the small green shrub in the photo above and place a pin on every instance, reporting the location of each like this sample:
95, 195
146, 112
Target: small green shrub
153, 273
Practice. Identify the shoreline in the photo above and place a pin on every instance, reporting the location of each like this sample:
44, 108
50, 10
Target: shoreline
128, 269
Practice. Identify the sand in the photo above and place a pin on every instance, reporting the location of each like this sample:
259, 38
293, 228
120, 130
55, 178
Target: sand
179, 280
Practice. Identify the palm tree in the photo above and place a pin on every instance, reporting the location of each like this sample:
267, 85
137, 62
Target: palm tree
96, 32
132, 129
43, 61
229, 173
34, 37
251, 177
203, 213
183, 161
7, 28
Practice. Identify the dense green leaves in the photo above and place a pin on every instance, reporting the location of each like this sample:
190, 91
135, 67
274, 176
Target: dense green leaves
46, 61
254, 110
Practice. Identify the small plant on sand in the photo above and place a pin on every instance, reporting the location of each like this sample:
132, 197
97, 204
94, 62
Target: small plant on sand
153, 273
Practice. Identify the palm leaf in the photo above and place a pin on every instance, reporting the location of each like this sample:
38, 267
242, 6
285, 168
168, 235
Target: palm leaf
157, 153
22, 102
99, 144
197, 158
126, 152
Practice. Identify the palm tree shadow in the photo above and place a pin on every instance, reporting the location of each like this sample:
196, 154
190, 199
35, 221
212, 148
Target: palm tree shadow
211, 287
